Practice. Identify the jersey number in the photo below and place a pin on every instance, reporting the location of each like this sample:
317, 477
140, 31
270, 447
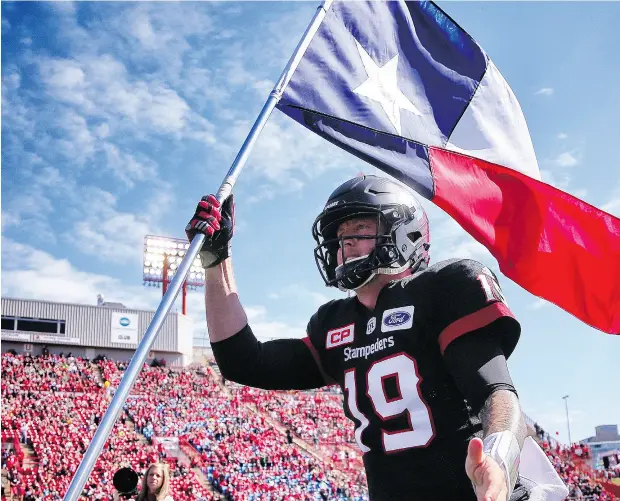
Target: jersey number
491, 287
420, 430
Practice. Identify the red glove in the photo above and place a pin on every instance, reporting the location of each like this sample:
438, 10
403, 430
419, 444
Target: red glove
217, 224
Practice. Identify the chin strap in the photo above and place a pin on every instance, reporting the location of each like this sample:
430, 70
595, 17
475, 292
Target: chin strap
393, 271
380, 271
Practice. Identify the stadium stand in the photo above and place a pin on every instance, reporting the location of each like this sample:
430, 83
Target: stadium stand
228, 442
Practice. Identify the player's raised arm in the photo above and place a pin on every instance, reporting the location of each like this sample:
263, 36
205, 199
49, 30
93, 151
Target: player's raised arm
478, 334
279, 364
479, 364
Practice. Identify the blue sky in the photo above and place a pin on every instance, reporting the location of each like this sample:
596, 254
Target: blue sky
117, 117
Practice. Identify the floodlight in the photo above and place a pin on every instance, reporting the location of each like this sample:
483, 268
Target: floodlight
161, 259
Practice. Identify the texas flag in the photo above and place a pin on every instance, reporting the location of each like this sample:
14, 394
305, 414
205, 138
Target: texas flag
403, 87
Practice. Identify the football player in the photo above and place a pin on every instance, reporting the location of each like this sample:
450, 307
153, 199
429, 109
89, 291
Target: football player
419, 351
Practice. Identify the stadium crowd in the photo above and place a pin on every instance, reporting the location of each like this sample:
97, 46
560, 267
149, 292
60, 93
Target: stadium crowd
223, 441
58, 423
315, 417
583, 483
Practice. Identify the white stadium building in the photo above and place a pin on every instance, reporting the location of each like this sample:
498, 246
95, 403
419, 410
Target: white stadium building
88, 331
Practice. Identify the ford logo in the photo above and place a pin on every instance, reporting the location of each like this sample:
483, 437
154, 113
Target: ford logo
124, 321
397, 318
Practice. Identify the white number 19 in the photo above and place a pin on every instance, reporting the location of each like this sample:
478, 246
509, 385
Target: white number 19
420, 431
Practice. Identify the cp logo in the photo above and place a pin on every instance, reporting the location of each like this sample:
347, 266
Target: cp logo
340, 336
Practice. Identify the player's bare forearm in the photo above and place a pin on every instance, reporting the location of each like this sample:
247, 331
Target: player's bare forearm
502, 412
225, 315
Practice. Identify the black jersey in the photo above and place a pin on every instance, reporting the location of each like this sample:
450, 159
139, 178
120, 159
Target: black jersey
412, 423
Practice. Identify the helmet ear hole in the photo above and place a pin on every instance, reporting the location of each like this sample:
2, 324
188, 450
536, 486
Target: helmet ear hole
414, 236
384, 253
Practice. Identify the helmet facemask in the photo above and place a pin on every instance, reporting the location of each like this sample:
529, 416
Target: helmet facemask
384, 258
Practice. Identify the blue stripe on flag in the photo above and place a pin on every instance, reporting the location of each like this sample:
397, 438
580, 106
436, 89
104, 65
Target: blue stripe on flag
437, 69
390, 153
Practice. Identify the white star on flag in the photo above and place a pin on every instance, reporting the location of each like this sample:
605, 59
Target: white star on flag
382, 86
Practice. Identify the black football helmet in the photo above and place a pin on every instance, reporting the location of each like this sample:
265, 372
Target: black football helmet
402, 240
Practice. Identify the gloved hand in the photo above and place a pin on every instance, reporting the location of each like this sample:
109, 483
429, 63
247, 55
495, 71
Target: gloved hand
216, 223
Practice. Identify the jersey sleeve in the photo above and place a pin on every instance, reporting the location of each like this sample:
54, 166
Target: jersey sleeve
316, 342
466, 297
280, 364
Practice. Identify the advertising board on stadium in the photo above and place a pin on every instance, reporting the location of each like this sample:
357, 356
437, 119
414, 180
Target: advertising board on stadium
46, 338
168, 443
124, 328
15, 336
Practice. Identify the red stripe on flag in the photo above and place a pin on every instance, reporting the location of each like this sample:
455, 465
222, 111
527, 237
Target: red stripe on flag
549, 242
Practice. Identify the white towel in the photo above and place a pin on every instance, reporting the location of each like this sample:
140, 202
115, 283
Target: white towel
536, 467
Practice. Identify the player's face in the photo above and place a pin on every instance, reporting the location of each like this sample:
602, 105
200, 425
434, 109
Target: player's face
356, 247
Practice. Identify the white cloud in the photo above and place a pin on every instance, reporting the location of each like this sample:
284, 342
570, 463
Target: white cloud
33, 274
581, 193
265, 329
105, 232
263, 88
613, 204
142, 29
562, 135
555, 420
235, 72
538, 304
29, 210
49, 176
196, 313
126, 167
545, 91
18, 120
33, 207
560, 180
566, 159
65, 7
101, 87
449, 240
302, 293
65, 80
262, 192
102, 130
11, 80
9, 219
287, 155
78, 143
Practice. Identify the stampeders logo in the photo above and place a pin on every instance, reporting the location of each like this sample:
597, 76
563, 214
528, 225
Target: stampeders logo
340, 336
397, 319
366, 351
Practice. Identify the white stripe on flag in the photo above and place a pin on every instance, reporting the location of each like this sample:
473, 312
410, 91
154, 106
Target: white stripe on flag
493, 127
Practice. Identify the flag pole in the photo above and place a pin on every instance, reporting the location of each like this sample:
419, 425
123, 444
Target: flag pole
139, 357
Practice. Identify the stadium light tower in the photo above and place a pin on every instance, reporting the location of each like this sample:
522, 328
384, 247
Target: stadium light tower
565, 397
161, 259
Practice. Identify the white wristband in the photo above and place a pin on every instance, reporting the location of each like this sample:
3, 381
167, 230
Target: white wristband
504, 448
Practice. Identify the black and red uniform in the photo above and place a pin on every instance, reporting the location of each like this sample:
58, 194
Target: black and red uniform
415, 372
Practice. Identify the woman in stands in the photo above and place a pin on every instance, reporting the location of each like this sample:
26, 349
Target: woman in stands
156, 483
